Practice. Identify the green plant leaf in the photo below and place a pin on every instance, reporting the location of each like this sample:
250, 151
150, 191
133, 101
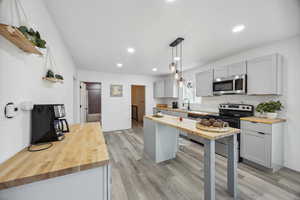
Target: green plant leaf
50, 74
271, 106
33, 36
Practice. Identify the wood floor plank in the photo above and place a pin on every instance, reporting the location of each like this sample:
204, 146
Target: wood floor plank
136, 177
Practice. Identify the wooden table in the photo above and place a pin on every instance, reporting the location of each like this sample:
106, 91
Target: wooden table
161, 144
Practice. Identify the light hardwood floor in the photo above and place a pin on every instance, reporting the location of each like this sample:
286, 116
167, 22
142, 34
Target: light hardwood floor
136, 177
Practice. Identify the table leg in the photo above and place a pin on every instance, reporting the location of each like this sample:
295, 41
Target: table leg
209, 170
232, 166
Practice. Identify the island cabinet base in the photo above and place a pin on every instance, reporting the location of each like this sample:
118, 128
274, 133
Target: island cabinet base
161, 142
92, 184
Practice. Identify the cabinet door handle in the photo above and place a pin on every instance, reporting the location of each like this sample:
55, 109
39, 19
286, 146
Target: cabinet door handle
261, 133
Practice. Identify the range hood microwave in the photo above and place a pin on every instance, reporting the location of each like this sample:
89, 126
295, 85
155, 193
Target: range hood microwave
230, 85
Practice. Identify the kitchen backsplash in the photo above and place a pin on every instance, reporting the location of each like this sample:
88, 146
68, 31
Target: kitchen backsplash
210, 104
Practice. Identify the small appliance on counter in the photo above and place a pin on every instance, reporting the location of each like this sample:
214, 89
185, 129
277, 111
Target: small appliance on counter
48, 123
175, 105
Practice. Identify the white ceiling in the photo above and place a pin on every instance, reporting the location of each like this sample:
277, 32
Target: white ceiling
98, 32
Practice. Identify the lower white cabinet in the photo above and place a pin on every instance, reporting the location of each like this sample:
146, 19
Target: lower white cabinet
256, 147
262, 144
91, 184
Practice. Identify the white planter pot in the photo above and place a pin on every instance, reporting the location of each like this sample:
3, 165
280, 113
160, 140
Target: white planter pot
271, 115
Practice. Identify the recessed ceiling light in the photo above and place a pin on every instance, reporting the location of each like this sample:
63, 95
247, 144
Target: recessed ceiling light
154, 69
170, 1
119, 65
130, 50
238, 28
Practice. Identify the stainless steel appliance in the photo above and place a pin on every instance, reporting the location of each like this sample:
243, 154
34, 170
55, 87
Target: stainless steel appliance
230, 85
230, 113
175, 104
48, 123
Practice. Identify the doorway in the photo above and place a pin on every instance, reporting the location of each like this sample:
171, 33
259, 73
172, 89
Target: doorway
90, 102
137, 104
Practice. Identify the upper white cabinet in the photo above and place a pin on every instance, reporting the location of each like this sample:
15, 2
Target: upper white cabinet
167, 88
237, 68
171, 88
204, 82
230, 70
159, 89
265, 75
220, 72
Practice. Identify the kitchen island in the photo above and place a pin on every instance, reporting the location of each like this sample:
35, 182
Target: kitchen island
161, 144
75, 168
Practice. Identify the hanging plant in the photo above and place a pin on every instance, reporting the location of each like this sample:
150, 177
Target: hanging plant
33, 36
50, 74
59, 77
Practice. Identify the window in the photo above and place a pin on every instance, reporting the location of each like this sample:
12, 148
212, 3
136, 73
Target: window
189, 92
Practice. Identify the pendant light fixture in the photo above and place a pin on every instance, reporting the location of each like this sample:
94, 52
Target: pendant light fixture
172, 65
176, 75
176, 60
181, 80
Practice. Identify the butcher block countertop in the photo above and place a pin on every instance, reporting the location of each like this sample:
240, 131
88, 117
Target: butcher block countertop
83, 148
263, 120
189, 126
201, 113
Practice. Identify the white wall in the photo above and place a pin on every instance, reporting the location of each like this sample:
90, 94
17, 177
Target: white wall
116, 111
290, 50
21, 77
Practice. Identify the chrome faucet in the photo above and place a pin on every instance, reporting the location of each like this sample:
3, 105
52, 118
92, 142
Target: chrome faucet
188, 103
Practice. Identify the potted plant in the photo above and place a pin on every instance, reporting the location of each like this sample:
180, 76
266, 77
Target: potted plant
33, 36
269, 108
50, 74
59, 77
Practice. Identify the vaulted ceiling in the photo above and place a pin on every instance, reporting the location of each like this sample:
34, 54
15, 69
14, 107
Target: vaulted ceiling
98, 32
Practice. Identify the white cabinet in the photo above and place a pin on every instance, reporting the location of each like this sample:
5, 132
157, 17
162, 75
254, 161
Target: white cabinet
265, 75
159, 89
220, 72
167, 88
256, 147
171, 88
262, 144
230, 70
237, 69
204, 82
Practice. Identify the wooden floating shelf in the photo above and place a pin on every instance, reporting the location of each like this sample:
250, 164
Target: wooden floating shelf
17, 38
53, 80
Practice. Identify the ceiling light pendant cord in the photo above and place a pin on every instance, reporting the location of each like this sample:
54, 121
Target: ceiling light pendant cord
176, 56
172, 59
181, 60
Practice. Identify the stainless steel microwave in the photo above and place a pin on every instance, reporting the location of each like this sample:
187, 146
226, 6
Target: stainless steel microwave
230, 85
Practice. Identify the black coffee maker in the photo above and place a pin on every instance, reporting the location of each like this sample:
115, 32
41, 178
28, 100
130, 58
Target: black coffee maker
48, 123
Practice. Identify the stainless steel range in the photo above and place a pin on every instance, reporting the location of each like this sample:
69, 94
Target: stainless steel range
230, 113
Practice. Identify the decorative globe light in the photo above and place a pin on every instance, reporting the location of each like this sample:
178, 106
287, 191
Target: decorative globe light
181, 82
173, 67
176, 75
